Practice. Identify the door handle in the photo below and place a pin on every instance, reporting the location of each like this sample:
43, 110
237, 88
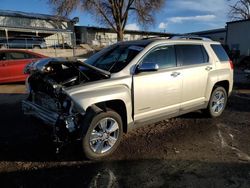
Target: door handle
208, 68
175, 74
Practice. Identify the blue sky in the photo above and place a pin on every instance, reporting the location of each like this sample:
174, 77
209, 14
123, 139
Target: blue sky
178, 16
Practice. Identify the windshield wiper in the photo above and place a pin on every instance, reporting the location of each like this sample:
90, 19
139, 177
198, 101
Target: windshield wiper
116, 61
101, 71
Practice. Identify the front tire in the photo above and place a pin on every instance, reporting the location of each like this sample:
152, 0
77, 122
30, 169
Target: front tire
103, 135
217, 102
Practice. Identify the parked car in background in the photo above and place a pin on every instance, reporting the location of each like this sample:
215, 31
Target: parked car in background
12, 63
23, 42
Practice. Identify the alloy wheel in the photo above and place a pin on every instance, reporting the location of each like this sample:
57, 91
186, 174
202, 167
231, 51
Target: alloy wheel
104, 135
218, 102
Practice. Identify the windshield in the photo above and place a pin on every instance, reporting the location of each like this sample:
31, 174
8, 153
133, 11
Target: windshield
115, 58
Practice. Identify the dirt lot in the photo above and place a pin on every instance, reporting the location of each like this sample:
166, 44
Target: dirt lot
188, 151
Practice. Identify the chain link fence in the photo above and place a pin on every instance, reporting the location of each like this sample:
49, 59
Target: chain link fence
49, 47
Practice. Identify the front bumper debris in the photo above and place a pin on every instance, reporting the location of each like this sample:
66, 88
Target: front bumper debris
47, 116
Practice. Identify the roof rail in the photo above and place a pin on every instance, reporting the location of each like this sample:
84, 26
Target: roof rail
190, 37
154, 37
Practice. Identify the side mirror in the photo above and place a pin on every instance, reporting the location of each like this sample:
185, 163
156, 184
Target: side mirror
147, 67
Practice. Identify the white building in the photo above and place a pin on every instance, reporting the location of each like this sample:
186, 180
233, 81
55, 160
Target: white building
238, 36
105, 36
55, 30
214, 34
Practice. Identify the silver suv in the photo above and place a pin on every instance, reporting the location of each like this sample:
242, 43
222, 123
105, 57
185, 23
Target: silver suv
126, 85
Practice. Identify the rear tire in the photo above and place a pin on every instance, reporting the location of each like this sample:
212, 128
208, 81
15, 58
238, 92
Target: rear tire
217, 102
103, 135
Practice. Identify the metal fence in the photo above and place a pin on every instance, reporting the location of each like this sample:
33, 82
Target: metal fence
46, 46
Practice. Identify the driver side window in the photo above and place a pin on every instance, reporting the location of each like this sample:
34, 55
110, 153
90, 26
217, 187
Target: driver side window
164, 56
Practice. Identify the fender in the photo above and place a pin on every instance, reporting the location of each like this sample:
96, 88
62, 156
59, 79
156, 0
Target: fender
98, 92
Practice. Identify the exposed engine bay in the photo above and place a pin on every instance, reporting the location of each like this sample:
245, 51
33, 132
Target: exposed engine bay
49, 75
47, 99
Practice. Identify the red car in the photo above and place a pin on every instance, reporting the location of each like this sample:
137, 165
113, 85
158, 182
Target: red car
12, 63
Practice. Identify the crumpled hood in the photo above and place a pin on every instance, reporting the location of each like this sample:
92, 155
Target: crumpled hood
41, 65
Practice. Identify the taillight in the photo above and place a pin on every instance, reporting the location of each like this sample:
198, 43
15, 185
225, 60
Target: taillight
231, 64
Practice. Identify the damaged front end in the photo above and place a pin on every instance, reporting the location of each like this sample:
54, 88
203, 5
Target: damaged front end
48, 100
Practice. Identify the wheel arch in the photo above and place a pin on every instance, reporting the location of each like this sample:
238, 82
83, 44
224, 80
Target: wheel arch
224, 84
116, 105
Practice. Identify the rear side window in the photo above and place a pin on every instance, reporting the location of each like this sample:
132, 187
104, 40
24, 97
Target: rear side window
39, 39
17, 41
191, 54
17, 55
30, 56
163, 56
220, 52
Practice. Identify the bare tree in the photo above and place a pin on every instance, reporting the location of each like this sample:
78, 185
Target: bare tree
113, 13
240, 10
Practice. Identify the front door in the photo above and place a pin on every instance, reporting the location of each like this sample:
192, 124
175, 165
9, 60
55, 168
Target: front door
157, 93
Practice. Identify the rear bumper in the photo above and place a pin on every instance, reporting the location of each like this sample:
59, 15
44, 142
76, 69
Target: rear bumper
47, 116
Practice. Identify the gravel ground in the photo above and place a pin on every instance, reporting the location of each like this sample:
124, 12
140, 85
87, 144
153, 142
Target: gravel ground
188, 151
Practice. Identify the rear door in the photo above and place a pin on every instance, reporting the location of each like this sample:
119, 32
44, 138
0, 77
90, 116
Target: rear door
195, 69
